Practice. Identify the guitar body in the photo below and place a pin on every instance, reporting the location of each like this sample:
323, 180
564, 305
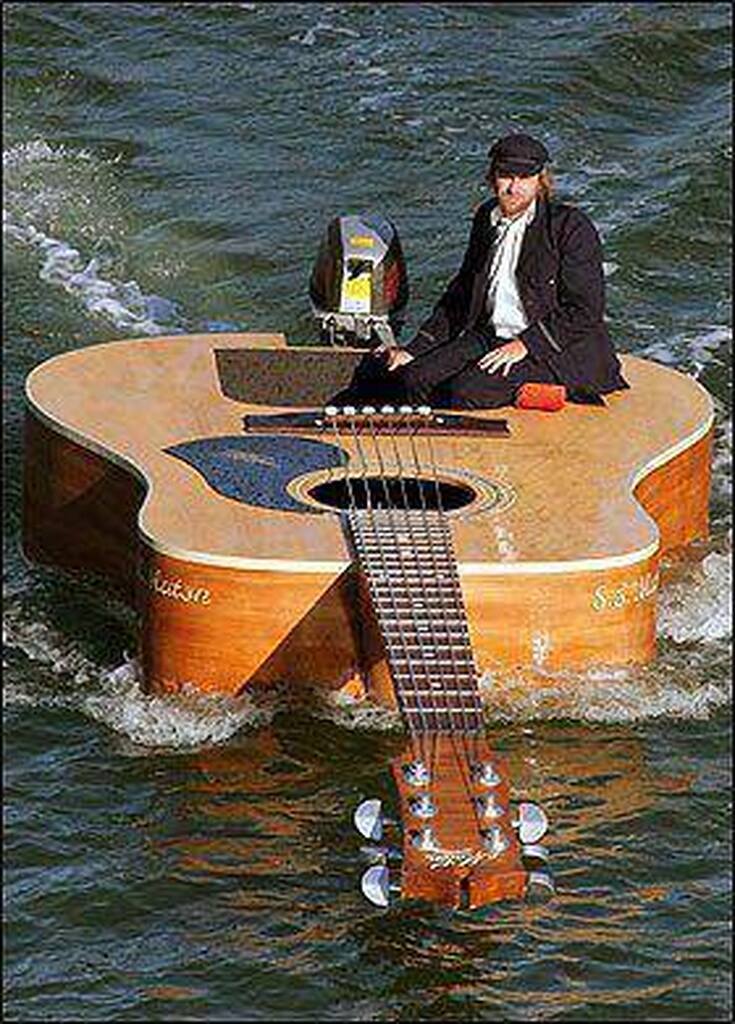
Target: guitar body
138, 468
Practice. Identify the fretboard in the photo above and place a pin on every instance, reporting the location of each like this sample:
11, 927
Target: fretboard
407, 557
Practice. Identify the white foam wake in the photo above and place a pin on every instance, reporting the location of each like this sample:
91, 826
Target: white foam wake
38, 189
115, 696
698, 605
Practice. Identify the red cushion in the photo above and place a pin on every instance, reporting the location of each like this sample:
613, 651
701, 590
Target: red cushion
549, 397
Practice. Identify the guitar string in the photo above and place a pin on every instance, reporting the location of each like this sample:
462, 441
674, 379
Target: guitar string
428, 531
354, 508
407, 519
469, 738
462, 757
370, 510
412, 609
458, 601
441, 527
374, 530
423, 713
394, 535
439, 666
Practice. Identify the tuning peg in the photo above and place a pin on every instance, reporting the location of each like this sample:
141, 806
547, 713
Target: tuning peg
495, 841
416, 773
535, 852
368, 819
531, 823
422, 806
485, 775
376, 885
488, 807
425, 840
539, 883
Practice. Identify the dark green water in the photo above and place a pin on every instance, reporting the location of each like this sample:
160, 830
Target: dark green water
171, 167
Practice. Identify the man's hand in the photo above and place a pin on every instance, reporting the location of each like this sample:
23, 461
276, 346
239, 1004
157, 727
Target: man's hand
504, 357
393, 355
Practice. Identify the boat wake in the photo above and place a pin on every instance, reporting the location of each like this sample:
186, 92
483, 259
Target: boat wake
49, 187
688, 680
69, 680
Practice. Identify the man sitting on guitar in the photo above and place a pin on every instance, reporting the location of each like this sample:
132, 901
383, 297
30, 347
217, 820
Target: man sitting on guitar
527, 304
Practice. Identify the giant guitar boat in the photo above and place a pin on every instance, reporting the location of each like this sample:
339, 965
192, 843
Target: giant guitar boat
265, 535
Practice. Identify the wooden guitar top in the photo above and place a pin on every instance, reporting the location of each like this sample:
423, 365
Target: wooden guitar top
555, 495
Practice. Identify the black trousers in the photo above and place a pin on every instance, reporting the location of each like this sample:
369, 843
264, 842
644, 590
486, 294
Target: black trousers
446, 378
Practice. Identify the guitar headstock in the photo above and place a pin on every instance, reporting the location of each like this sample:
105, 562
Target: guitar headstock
463, 843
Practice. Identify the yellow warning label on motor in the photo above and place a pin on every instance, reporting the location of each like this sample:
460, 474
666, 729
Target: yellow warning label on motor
362, 241
356, 293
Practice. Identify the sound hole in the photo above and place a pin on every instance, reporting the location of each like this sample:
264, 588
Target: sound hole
392, 492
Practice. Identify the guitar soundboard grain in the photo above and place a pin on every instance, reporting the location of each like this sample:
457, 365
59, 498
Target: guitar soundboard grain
558, 556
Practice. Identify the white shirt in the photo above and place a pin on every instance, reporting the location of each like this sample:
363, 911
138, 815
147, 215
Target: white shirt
504, 305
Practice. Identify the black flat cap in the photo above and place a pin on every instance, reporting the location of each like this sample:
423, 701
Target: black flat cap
518, 154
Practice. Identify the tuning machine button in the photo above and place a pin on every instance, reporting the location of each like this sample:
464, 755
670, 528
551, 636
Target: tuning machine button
488, 807
369, 820
416, 773
376, 885
484, 774
531, 822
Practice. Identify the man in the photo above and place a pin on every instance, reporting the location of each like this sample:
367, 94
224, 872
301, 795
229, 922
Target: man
527, 304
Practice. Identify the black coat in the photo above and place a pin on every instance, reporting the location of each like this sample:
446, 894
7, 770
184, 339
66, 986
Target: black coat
561, 286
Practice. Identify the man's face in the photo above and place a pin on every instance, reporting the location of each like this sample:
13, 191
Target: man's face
515, 192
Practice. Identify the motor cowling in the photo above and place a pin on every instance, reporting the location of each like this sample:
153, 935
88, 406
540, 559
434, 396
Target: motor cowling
359, 284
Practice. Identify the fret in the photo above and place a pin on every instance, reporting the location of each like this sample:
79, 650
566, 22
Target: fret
432, 693
422, 600
440, 711
436, 658
407, 557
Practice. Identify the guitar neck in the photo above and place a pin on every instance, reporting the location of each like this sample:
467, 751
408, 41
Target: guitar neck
407, 557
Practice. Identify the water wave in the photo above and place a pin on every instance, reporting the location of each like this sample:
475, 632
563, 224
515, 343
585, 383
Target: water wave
694, 613
51, 199
115, 696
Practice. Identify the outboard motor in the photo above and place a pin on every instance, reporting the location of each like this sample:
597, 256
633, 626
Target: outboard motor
359, 284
